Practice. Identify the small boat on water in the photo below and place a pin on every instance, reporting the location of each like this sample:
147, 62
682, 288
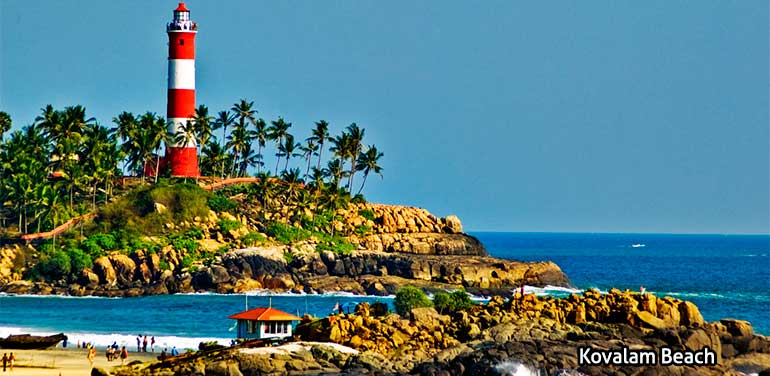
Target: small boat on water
30, 342
638, 245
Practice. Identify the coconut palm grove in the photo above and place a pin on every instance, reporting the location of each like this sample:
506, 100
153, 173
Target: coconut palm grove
67, 164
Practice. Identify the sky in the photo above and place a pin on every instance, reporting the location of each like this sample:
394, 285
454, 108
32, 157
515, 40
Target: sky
553, 116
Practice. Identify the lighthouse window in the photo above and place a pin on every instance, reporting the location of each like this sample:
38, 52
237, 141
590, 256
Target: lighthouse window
181, 42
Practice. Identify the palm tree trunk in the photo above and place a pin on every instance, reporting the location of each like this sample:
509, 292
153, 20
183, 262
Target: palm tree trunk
261, 157
157, 168
320, 151
362, 183
286, 166
307, 171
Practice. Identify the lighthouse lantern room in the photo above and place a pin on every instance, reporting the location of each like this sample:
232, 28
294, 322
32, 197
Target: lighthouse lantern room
181, 152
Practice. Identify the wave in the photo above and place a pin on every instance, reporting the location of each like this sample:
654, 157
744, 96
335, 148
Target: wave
512, 368
102, 340
5, 294
550, 290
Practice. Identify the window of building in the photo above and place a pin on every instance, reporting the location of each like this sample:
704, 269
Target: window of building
251, 327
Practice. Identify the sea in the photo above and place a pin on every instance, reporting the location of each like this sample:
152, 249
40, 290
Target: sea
724, 275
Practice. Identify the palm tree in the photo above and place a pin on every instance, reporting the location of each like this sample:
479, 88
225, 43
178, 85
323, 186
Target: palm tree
367, 162
261, 136
335, 172
342, 146
356, 136
287, 149
203, 124
239, 141
320, 135
292, 178
223, 120
264, 188
213, 159
277, 131
5, 124
308, 151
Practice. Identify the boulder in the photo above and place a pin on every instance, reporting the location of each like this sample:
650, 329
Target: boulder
652, 321
104, 270
689, 315
124, 268
452, 225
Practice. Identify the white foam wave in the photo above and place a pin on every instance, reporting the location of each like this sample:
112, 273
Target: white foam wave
4, 294
511, 368
549, 290
102, 340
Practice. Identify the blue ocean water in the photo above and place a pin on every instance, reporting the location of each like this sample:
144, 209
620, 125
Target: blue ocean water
726, 276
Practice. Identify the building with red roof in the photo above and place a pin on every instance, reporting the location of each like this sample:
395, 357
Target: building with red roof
261, 323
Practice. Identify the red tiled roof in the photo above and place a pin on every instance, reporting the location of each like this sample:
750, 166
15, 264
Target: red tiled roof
181, 8
264, 314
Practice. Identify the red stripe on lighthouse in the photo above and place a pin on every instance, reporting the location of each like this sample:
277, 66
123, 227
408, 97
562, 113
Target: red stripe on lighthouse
181, 45
181, 103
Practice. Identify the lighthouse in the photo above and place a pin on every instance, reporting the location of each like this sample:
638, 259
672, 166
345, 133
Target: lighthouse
181, 154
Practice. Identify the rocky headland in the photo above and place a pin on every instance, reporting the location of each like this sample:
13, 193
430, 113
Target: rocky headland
500, 337
401, 246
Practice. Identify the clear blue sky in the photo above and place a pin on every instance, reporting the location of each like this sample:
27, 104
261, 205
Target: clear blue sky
611, 116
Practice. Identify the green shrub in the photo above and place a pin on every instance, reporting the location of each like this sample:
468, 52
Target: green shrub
220, 203
460, 300
288, 256
362, 230
164, 265
79, 260
180, 242
358, 199
336, 245
194, 232
367, 213
186, 261
441, 302
92, 247
253, 238
54, 265
409, 297
227, 225
284, 233
106, 242
455, 301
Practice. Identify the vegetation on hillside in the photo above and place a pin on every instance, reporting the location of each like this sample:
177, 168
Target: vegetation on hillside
65, 164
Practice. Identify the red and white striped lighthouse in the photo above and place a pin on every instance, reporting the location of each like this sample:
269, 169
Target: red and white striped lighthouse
181, 156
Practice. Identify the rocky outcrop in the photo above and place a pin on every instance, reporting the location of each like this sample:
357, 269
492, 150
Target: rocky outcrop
496, 338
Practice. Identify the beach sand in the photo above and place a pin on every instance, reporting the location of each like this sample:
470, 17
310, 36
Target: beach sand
68, 362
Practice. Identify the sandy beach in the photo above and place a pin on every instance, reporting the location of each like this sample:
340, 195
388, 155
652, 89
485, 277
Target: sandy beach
64, 362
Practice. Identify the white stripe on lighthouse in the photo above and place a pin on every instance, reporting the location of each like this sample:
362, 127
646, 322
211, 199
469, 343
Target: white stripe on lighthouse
174, 125
181, 74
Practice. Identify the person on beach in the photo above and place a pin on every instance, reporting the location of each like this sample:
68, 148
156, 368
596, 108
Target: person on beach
152, 344
144, 344
5, 360
163, 354
139, 343
91, 356
11, 360
174, 351
123, 355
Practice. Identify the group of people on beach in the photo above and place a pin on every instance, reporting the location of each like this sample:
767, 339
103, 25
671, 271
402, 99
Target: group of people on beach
141, 344
8, 361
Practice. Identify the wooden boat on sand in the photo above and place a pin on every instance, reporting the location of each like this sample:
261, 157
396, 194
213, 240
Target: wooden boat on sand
30, 342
